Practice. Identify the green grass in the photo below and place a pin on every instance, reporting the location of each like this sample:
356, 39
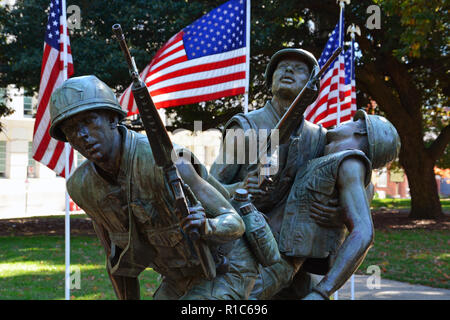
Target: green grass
414, 256
402, 203
32, 268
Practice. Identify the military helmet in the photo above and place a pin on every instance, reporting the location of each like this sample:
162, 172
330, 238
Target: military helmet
80, 94
384, 141
301, 54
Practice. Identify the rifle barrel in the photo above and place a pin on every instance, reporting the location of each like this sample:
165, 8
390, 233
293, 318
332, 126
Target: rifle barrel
329, 61
290, 120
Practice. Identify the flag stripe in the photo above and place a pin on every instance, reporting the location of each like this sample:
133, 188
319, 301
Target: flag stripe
198, 83
202, 91
170, 63
44, 115
177, 55
56, 155
196, 69
226, 58
47, 50
47, 150
205, 97
337, 96
205, 60
173, 42
176, 51
49, 76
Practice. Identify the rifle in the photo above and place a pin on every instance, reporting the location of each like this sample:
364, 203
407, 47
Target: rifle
163, 152
287, 124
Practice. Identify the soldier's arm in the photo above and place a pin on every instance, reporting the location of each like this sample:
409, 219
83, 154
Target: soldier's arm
357, 218
223, 223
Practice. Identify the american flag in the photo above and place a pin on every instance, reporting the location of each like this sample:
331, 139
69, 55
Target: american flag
47, 150
332, 85
349, 90
204, 61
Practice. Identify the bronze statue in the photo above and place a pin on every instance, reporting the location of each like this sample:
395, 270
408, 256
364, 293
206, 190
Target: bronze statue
136, 216
129, 199
344, 172
287, 73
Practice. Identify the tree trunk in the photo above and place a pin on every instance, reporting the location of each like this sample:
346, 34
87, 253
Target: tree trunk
401, 103
419, 168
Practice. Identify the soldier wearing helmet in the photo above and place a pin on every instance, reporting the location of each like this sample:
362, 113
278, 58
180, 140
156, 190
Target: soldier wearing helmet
353, 149
126, 195
287, 73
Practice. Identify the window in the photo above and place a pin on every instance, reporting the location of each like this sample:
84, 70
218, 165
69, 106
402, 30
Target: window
32, 165
2, 159
28, 106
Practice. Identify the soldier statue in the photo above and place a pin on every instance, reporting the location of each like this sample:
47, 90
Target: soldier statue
344, 171
287, 73
128, 198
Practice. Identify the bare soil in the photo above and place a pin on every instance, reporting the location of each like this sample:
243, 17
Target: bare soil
383, 219
399, 220
45, 226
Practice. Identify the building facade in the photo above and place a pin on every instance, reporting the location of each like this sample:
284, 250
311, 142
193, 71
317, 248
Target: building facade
28, 188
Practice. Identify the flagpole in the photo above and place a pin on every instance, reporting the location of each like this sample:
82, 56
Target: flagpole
247, 58
67, 162
338, 120
352, 30
341, 5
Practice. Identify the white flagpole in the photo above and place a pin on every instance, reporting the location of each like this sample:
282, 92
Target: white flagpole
352, 278
341, 5
352, 30
67, 163
247, 58
338, 120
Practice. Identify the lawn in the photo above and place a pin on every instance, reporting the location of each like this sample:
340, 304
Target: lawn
33, 268
414, 256
402, 204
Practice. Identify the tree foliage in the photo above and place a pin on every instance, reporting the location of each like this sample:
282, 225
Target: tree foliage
403, 66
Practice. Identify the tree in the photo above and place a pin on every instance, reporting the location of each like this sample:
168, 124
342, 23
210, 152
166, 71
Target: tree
404, 70
402, 66
4, 109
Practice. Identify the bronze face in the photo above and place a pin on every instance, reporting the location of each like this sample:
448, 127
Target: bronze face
345, 136
290, 76
92, 134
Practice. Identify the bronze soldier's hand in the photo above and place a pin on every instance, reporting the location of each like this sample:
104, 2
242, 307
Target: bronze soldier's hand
327, 216
195, 220
252, 185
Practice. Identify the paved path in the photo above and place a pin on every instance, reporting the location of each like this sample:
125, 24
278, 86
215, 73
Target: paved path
391, 290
